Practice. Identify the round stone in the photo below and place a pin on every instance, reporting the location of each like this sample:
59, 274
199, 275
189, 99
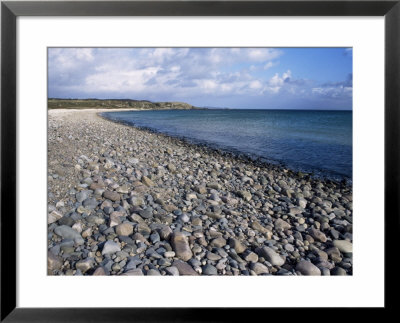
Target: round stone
307, 268
124, 229
209, 270
110, 247
343, 245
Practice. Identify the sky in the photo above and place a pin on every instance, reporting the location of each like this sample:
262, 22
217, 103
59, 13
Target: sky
247, 78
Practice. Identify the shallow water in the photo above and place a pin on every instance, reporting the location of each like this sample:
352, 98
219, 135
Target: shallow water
303, 140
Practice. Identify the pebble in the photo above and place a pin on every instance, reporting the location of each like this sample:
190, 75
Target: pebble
259, 268
307, 268
85, 265
237, 245
99, 272
78, 227
257, 226
53, 216
147, 181
343, 245
53, 263
122, 186
213, 256
191, 196
153, 272
209, 270
124, 229
81, 196
184, 268
111, 195
317, 234
281, 224
289, 247
155, 237
271, 256
133, 161
169, 254
90, 203
295, 211
338, 271
181, 246
165, 232
66, 220
110, 247
245, 195
146, 213
302, 203
133, 272
218, 242
136, 201
251, 257
87, 233
67, 232
172, 270
143, 229
123, 189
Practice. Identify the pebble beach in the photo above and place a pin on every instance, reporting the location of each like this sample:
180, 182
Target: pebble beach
127, 201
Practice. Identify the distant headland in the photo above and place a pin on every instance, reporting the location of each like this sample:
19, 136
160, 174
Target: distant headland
56, 103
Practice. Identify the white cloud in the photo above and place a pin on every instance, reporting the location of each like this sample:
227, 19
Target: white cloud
175, 68
120, 81
207, 85
333, 91
255, 85
178, 70
178, 74
263, 54
269, 65
276, 82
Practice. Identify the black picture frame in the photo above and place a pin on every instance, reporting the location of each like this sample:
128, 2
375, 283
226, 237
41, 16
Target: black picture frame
10, 10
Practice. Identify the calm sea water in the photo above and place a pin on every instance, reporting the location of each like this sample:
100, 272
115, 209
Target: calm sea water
310, 141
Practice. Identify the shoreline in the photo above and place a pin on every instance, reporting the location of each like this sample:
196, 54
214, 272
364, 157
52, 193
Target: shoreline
127, 201
324, 176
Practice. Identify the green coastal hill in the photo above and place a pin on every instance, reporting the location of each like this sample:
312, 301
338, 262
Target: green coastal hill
54, 103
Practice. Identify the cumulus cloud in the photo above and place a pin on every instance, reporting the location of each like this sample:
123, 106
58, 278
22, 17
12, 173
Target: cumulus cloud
269, 65
186, 74
146, 70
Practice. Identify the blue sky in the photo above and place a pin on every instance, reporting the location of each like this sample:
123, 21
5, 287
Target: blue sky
257, 78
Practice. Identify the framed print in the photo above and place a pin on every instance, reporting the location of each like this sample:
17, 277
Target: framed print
251, 147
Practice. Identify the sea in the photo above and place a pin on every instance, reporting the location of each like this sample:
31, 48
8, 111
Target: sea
309, 141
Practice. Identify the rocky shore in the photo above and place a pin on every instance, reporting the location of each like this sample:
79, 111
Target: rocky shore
125, 201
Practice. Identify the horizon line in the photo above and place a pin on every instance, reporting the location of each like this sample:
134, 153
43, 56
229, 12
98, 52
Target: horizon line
206, 107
